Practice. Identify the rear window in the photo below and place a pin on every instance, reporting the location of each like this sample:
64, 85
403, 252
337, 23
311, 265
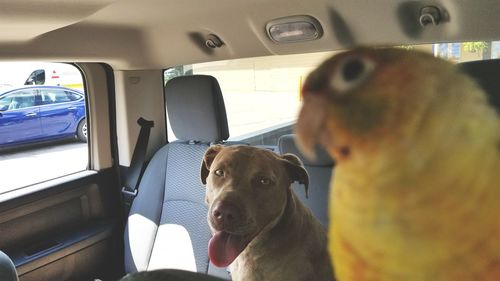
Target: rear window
262, 94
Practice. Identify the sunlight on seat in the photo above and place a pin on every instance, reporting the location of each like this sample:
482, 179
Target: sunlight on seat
172, 249
141, 239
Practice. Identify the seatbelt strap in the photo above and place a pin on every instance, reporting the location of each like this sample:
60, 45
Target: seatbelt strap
137, 164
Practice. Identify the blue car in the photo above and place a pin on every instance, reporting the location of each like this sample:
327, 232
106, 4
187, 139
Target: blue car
41, 113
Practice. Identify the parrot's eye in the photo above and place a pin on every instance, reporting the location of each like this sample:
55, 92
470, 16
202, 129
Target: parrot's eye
352, 70
350, 73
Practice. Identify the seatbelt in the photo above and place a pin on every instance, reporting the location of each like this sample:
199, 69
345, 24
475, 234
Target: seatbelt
137, 164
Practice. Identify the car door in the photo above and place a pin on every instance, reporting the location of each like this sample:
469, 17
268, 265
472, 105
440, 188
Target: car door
20, 122
66, 227
58, 112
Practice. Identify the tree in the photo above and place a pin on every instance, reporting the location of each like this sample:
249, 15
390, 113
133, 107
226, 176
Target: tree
475, 47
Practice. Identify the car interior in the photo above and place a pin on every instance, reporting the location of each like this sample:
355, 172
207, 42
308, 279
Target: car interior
78, 225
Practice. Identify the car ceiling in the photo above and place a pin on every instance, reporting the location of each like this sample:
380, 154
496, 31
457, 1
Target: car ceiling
153, 34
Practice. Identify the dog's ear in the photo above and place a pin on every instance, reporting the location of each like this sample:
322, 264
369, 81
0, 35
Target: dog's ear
208, 158
296, 170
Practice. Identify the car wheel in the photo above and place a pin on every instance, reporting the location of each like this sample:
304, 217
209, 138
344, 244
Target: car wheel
82, 132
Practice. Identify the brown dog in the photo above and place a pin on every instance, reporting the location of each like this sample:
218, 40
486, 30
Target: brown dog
259, 226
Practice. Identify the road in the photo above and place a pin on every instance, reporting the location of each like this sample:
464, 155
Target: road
38, 164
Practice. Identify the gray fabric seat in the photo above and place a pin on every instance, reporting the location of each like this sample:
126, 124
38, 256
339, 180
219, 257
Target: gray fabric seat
167, 225
7, 268
320, 173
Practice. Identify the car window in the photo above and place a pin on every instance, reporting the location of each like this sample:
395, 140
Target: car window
57, 96
262, 94
21, 99
73, 96
37, 77
5, 102
49, 141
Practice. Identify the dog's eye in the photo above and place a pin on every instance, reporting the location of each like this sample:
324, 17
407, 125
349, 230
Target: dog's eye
265, 181
219, 172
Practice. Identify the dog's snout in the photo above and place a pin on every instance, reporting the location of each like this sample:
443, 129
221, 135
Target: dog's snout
225, 213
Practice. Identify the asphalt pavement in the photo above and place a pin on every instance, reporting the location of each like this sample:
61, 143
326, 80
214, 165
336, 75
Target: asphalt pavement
30, 165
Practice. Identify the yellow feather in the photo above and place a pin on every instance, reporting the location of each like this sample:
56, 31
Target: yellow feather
418, 195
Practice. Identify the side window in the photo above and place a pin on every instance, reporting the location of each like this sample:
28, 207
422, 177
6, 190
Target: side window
5, 102
21, 99
261, 95
37, 77
48, 97
49, 141
73, 96
40, 77
55, 96
180, 70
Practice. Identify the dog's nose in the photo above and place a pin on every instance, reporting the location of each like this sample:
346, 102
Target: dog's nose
225, 213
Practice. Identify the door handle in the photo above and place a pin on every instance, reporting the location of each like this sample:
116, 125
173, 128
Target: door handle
72, 107
31, 114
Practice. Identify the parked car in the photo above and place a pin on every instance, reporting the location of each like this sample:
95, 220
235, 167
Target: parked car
41, 113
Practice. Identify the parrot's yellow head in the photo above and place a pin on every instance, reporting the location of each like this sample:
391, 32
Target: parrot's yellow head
364, 99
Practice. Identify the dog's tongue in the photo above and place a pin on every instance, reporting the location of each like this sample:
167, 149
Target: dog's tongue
224, 248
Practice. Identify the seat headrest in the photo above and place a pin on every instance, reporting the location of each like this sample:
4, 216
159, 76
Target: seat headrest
486, 74
286, 144
196, 108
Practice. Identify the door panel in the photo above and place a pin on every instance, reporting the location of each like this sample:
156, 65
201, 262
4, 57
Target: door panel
59, 119
60, 116
76, 264
20, 121
64, 233
19, 125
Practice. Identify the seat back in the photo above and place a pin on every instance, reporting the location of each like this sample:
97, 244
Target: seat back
320, 173
167, 225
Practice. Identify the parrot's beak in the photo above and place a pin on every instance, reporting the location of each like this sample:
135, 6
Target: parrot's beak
310, 124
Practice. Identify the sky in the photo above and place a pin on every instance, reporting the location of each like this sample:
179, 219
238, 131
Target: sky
16, 73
